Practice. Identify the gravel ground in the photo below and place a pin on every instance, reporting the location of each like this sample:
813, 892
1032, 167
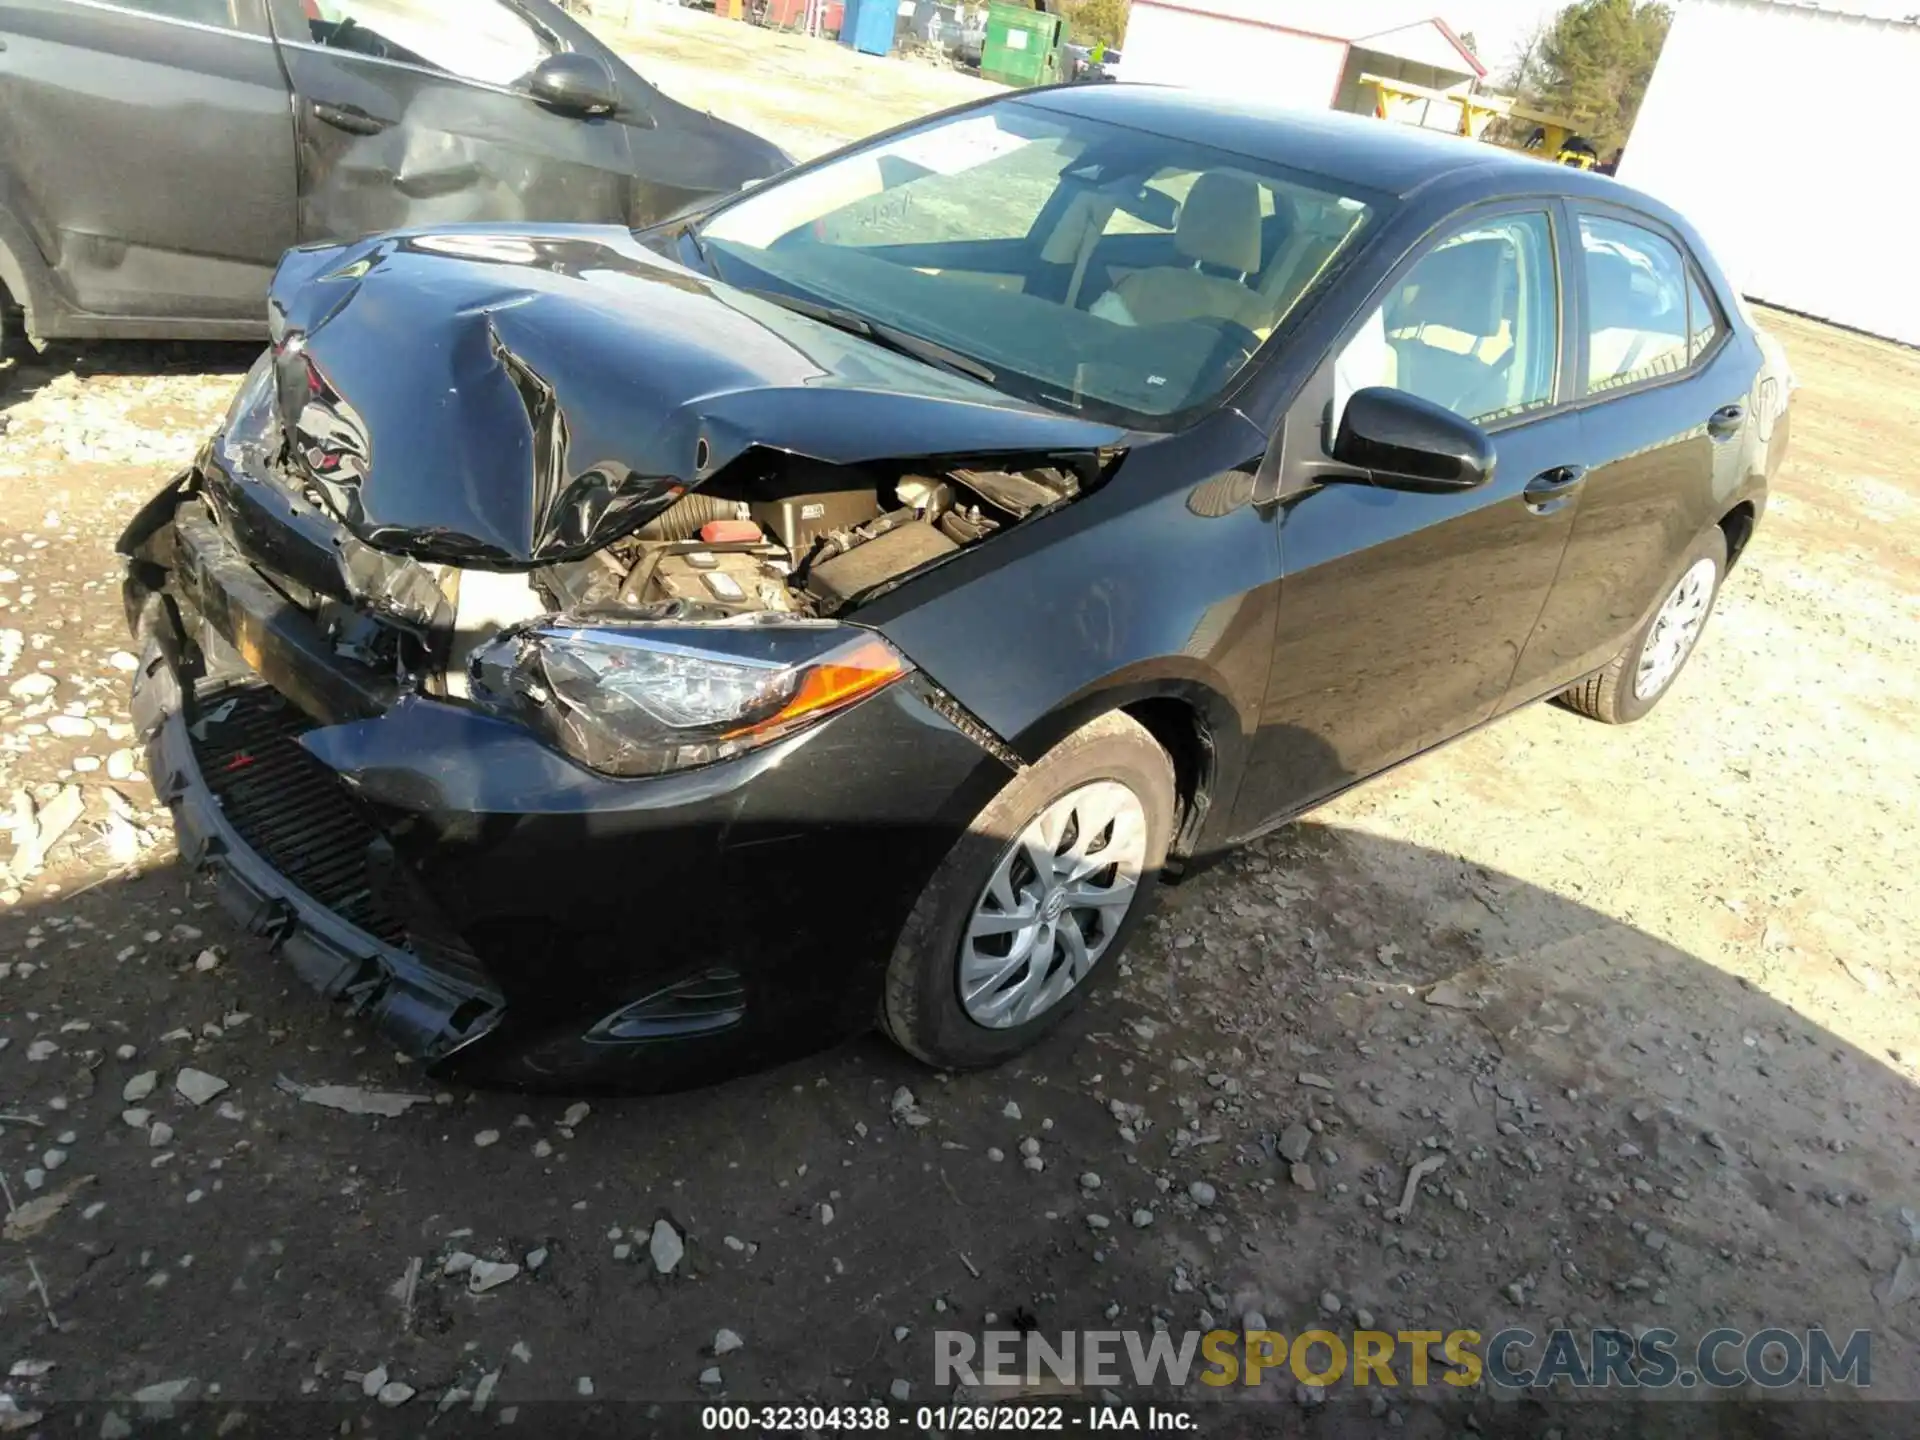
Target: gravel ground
1647, 995
809, 95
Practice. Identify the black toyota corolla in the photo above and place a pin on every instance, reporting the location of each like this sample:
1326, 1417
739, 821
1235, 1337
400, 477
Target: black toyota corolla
620, 660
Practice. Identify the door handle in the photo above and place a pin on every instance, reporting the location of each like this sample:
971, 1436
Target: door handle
1725, 422
350, 118
1548, 490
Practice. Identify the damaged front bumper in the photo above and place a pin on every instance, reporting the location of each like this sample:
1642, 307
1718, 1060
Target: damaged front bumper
497, 910
427, 1013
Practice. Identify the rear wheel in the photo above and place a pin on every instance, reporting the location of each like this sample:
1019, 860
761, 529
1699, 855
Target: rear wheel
1042, 891
14, 345
1632, 682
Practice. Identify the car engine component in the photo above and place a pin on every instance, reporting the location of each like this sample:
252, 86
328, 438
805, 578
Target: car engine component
730, 532
1018, 494
838, 580
964, 527
809, 501
926, 497
731, 579
690, 515
798, 539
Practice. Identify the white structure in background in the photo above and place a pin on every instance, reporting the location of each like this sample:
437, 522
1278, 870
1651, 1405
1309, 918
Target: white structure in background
1305, 53
1785, 133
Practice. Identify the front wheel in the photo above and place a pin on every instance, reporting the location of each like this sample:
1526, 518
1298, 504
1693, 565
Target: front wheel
1632, 682
1041, 892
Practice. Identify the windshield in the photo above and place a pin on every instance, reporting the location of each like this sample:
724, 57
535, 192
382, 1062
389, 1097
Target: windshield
1084, 264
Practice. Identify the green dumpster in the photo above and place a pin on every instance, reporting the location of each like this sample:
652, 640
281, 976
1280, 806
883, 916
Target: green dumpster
1022, 45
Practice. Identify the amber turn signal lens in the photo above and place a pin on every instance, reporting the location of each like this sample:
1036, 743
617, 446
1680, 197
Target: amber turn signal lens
833, 683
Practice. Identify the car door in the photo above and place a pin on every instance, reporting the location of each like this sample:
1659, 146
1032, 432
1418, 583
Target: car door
1402, 614
416, 112
1662, 415
147, 148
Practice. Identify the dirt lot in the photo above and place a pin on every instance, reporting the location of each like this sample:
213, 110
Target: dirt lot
1671, 1078
809, 95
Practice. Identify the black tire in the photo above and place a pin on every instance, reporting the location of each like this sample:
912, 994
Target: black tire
13, 329
921, 1008
1609, 695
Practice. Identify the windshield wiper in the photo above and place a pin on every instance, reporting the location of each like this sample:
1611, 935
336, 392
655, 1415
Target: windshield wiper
692, 232
902, 342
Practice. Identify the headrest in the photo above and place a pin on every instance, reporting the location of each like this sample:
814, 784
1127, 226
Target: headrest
1462, 287
1220, 222
1279, 227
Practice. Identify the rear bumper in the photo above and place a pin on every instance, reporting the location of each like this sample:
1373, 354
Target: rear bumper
547, 926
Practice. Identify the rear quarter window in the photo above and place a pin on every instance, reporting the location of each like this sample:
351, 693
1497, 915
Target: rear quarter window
1704, 326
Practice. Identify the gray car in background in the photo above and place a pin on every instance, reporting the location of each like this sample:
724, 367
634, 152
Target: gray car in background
157, 156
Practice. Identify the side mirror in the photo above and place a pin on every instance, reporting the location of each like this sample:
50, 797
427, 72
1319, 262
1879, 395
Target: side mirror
1406, 443
574, 84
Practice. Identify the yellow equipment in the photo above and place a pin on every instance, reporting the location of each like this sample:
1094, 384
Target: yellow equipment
1469, 115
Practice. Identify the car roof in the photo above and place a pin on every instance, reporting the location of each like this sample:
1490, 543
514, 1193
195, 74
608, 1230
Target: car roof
1374, 154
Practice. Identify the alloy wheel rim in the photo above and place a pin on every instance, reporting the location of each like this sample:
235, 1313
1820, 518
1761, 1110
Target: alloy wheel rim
1675, 629
1053, 904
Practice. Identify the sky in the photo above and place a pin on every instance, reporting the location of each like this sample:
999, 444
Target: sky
1500, 26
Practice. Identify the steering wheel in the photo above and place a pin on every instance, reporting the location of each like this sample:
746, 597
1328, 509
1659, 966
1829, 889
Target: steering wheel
1236, 345
1492, 386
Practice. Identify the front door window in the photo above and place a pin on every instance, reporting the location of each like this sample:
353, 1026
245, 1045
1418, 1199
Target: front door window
1474, 326
480, 40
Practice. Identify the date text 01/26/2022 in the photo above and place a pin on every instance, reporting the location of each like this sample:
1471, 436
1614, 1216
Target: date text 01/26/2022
774, 1419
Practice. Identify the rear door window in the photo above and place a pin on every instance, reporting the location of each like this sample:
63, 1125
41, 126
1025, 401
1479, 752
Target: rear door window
1636, 304
201, 12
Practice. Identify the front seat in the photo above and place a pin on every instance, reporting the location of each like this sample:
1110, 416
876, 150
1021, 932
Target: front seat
1219, 231
1443, 331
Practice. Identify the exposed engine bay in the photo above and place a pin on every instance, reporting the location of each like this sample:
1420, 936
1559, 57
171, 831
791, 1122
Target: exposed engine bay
786, 537
810, 539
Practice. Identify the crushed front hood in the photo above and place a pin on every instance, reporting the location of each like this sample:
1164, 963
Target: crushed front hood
508, 396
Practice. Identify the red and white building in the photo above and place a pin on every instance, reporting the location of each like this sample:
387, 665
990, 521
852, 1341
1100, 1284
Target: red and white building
1304, 53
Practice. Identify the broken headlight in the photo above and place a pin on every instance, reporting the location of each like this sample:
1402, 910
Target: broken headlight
643, 699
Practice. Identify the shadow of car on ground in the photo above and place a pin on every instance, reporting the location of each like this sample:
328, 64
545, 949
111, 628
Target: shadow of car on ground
1628, 1137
